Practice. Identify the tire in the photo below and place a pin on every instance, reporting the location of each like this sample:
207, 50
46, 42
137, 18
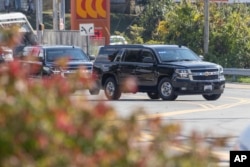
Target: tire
111, 89
166, 90
211, 97
153, 95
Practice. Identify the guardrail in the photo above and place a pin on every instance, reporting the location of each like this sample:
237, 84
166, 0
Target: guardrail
237, 71
234, 72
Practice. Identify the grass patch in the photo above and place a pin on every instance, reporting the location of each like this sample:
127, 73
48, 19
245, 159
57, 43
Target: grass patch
244, 79
240, 79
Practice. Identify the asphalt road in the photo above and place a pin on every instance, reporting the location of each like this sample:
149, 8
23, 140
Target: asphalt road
227, 116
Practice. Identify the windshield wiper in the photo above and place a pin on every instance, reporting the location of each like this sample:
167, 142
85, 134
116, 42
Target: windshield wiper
186, 60
170, 60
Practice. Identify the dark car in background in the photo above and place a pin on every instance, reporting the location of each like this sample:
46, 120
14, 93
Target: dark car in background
48, 55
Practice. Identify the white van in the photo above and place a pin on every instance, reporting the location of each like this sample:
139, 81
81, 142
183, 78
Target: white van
16, 18
19, 19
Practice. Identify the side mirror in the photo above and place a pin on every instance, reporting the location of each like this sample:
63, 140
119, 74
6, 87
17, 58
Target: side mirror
148, 60
47, 71
201, 57
91, 57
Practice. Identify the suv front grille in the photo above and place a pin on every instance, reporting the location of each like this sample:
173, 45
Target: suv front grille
205, 74
76, 67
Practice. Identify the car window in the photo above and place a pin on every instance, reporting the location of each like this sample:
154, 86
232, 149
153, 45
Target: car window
176, 54
131, 55
119, 55
145, 54
106, 54
72, 54
187, 54
168, 55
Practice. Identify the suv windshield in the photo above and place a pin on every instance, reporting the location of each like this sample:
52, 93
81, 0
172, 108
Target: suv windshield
70, 53
176, 54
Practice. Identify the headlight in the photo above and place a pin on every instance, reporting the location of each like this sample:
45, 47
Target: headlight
51, 70
56, 70
220, 69
221, 75
183, 73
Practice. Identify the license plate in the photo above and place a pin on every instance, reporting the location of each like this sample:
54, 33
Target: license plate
208, 87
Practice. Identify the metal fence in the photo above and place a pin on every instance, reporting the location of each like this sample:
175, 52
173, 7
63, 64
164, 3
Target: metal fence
68, 37
235, 72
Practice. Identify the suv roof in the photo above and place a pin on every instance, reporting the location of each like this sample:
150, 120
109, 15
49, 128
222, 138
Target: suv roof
143, 46
30, 48
109, 50
53, 46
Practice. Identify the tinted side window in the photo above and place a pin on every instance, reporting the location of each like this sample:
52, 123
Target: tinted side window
131, 55
145, 54
106, 54
119, 55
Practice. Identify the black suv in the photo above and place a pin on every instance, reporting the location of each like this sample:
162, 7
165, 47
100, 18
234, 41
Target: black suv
47, 55
162, 71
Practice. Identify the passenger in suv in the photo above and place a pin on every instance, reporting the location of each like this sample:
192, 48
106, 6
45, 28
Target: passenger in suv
162, 71
48, 55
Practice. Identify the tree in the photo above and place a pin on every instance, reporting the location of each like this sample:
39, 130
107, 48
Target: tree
153, 13
229, 31
229, 39
183, 25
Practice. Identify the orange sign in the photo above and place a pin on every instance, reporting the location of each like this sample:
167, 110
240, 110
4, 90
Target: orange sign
92, 11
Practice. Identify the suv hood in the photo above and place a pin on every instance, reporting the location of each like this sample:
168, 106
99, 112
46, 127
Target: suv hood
191, 64
72, 63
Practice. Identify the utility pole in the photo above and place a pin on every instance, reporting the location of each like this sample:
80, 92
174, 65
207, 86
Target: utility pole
39, 19
206, 26
55, 15
58, 15
62, 15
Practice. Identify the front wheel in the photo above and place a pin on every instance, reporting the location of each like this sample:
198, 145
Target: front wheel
166, 90
212, 96
111, 89
153, 95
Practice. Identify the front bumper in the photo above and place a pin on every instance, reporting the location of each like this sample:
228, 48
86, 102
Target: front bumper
188, 87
